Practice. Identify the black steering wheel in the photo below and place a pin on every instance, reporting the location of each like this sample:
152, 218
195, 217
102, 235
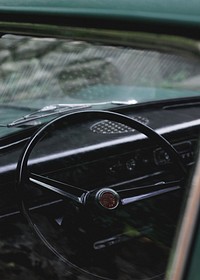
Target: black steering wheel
106, 200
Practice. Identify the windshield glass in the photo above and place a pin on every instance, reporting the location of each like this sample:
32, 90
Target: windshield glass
38, 72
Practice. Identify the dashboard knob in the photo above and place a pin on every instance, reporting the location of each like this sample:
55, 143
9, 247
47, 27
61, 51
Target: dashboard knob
130, 165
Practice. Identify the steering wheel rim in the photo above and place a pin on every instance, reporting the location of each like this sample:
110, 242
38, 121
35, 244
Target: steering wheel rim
74, 117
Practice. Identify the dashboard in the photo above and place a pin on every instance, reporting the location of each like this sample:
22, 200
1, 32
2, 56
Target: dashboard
99, 154
121, 153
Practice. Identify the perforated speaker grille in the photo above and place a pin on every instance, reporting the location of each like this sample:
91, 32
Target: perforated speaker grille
111, 127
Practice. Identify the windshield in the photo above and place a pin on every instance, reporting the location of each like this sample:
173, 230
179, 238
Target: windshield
38, 72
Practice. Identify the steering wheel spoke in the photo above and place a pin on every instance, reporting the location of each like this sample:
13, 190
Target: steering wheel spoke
134, 194
63, 189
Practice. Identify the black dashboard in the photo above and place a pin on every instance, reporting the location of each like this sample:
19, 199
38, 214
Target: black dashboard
100, 153
101, 158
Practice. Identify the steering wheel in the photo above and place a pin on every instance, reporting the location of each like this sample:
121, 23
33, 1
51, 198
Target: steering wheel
106, 200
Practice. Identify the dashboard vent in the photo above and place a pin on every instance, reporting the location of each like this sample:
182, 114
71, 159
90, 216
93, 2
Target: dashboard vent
111, 127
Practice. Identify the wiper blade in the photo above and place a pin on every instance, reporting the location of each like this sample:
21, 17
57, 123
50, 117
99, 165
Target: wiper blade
56, 109
47, 111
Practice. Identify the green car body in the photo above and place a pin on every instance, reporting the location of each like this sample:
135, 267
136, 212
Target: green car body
179, 12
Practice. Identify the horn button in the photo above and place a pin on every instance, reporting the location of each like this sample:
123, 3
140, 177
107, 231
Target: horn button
107, 198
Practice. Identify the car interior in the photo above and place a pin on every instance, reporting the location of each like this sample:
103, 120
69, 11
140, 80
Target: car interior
98, 144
